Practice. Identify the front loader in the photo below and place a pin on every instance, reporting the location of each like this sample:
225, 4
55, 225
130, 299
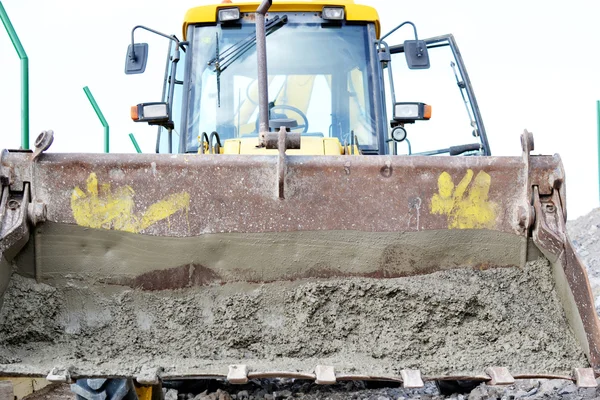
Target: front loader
322, 206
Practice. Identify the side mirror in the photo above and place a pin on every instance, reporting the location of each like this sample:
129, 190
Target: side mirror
416, 54
137, 55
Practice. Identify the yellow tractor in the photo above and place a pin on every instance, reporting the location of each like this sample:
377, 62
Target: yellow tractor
323, 205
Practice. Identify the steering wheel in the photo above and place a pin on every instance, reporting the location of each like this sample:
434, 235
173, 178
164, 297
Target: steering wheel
303, 126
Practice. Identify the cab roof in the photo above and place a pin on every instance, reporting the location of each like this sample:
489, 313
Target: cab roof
354, 12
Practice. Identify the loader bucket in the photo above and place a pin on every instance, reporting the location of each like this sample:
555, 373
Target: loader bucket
327, 268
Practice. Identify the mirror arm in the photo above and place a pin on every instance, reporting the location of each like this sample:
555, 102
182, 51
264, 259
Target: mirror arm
398, 27
419, 49
171, 37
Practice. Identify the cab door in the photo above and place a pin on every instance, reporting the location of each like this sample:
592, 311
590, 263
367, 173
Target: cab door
455, 126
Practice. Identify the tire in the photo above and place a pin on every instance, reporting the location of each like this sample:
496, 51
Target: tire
104, 389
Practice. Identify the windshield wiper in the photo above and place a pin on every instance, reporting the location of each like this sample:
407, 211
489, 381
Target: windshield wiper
223, 60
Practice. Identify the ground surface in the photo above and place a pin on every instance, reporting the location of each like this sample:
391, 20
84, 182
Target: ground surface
273, 390
584, 233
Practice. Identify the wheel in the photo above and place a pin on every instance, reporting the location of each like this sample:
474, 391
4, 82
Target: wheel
109, 389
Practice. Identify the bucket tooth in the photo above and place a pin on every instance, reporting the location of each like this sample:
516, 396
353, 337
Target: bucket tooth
148, 376
499, 376
585, 377
238, 374
325, 375
281, 374
59, 375
411, 378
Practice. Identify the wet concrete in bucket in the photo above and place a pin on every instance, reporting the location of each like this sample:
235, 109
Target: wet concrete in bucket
455, 322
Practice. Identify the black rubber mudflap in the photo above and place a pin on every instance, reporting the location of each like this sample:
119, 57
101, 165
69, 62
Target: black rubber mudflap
104, 389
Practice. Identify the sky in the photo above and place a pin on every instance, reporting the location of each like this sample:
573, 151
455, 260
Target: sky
533, 64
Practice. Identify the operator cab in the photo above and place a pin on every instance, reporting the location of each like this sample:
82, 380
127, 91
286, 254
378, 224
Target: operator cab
319, 77
329, 75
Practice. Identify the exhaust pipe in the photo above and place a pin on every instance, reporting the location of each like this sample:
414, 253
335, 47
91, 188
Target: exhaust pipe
263, 89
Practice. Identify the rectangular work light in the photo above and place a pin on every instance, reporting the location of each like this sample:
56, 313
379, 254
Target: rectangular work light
333, 13
411, 112
229, 14
150, 112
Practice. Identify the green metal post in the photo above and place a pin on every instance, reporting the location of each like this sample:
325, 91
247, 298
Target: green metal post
24, 76
135, 143
100, 117
598, 117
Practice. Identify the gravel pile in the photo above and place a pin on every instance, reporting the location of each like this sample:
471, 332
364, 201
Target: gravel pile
282, 389
585, 235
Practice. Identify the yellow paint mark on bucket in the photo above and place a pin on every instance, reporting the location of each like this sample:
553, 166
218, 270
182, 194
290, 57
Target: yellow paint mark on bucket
466, 205
101, 207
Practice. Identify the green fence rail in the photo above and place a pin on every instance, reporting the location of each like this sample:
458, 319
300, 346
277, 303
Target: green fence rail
100, 117
24, 76
598, 114
135, 143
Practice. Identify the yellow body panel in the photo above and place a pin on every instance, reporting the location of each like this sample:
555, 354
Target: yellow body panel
232, 146
144, 392
310, 146
354, 12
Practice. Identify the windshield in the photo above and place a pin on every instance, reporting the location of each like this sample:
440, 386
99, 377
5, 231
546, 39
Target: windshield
318, 75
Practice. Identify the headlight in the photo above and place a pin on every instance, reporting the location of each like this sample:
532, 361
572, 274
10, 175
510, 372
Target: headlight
229, 14
398, 134
335, 13
411, 112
